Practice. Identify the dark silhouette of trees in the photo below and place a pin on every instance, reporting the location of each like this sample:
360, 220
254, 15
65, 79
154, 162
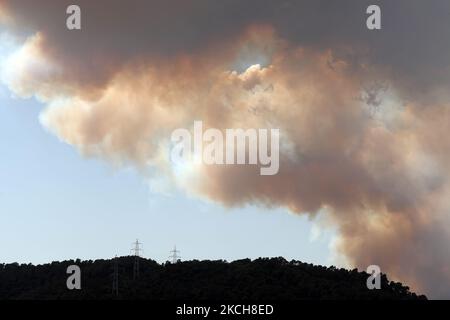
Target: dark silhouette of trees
264, 278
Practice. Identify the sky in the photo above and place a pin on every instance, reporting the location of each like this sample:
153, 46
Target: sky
56, 205
87, 117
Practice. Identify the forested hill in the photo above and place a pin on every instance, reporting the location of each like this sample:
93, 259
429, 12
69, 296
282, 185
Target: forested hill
269, 279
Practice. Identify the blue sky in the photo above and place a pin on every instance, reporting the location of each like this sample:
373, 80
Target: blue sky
55, 205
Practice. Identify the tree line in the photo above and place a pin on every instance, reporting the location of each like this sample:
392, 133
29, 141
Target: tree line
264, 278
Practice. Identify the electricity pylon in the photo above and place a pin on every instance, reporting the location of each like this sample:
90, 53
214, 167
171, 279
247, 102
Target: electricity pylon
175, 257
115, 286
137, 249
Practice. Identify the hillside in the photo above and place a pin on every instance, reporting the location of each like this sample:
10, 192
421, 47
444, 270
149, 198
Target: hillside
270, 279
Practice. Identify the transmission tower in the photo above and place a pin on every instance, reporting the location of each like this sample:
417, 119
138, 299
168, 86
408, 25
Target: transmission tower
136, 249
115, 286
175, 257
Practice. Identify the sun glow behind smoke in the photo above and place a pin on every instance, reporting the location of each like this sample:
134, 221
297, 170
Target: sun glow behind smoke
7, 47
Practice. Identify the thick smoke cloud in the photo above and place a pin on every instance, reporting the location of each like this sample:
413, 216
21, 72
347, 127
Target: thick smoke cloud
363, 114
